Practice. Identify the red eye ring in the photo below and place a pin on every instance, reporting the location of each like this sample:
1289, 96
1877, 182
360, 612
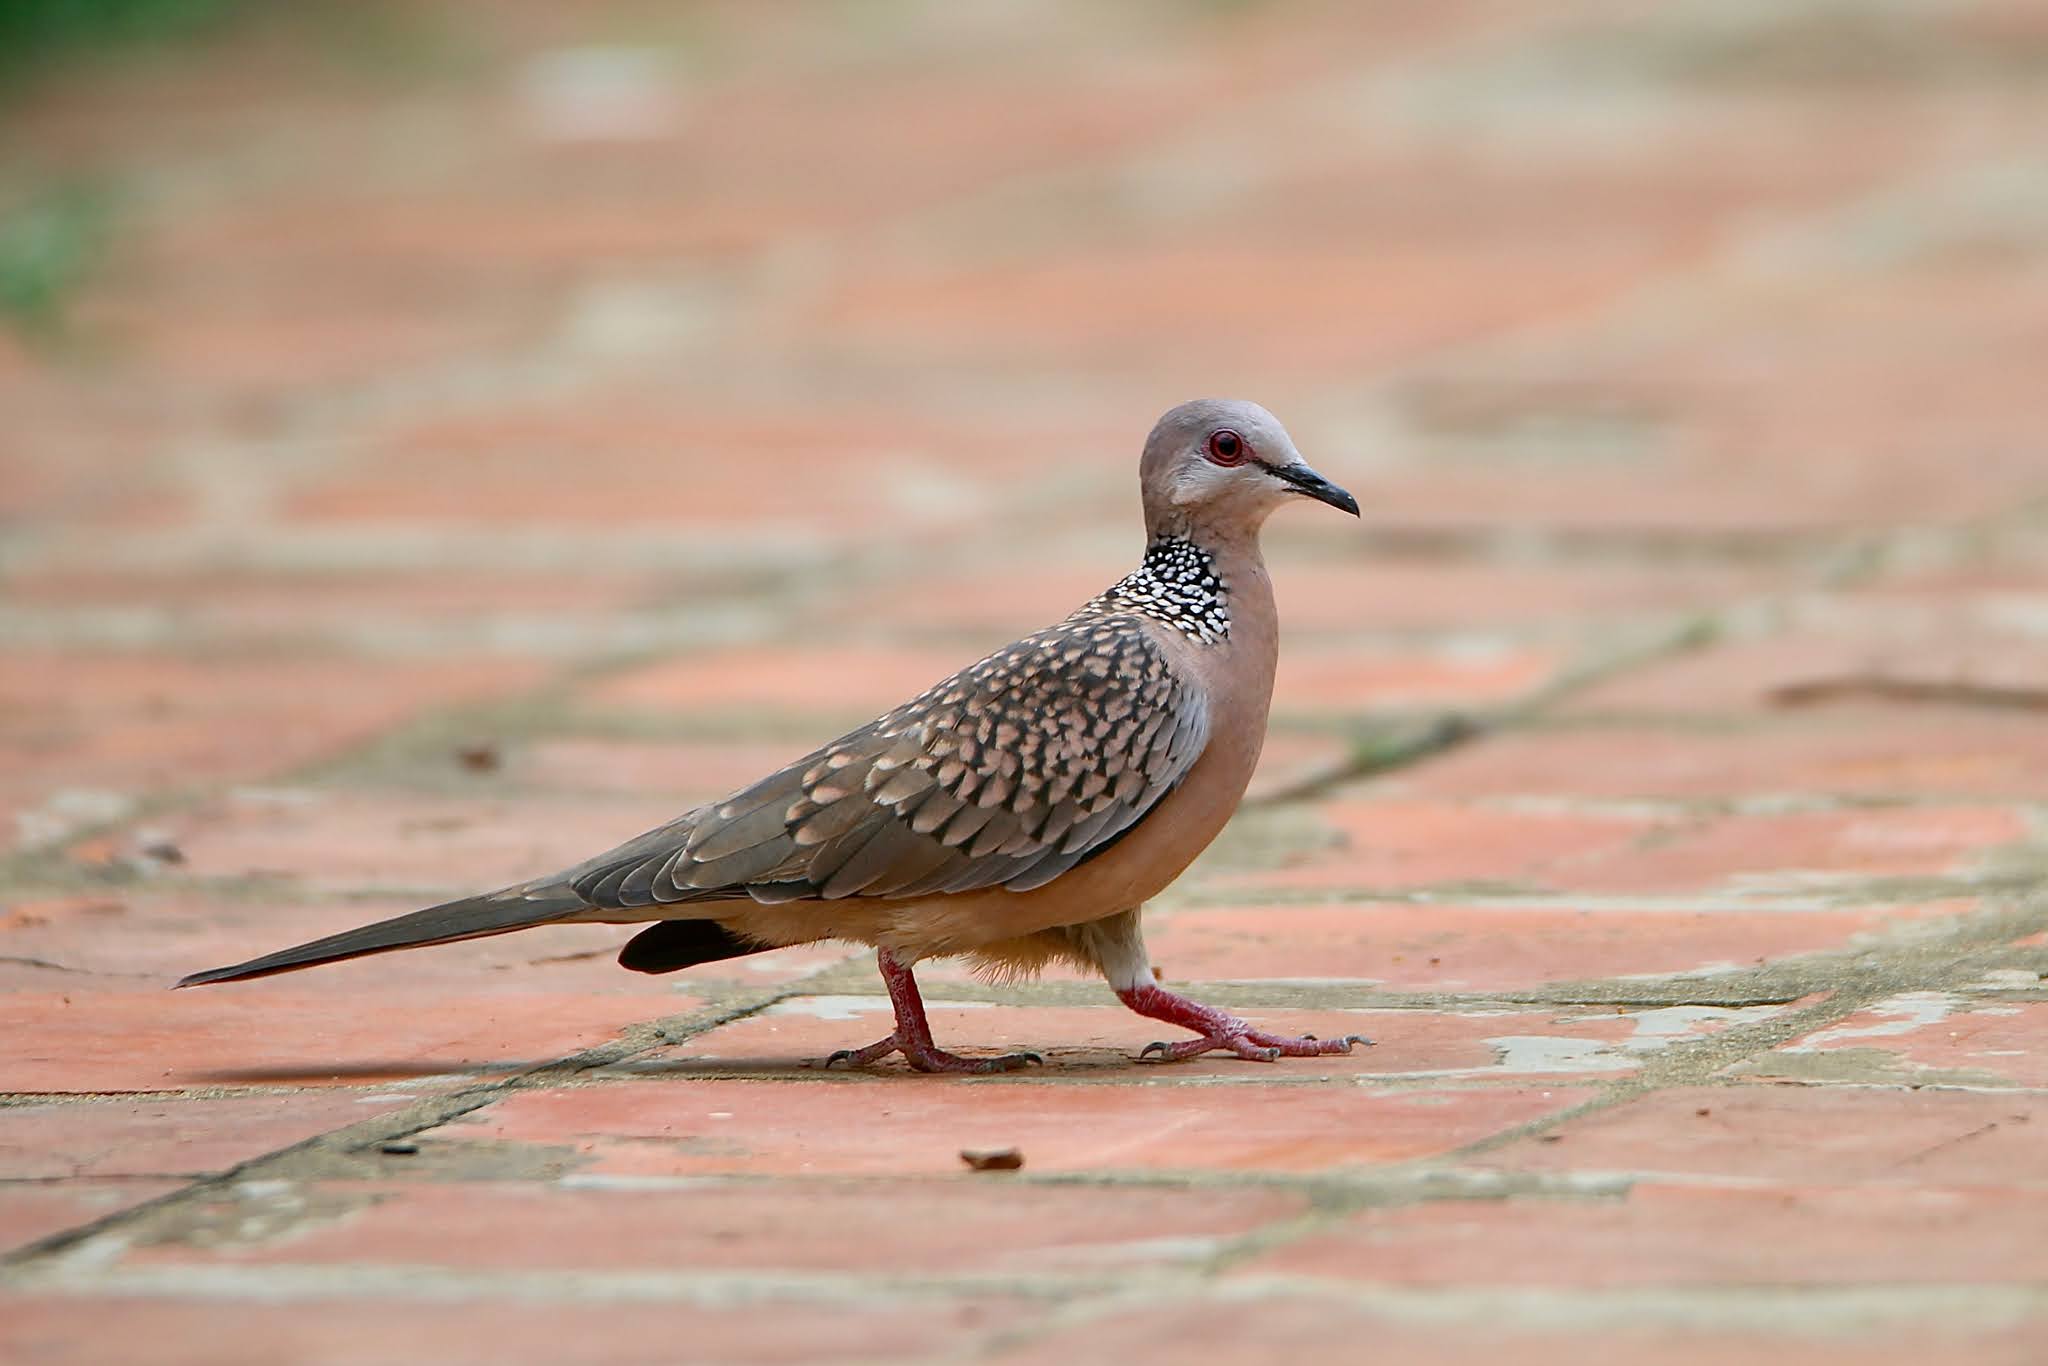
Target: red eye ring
1226, 447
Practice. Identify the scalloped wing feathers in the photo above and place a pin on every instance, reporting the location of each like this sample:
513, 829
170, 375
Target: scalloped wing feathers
1011, 772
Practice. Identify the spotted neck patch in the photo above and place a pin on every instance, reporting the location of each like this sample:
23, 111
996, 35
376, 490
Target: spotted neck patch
1177, 585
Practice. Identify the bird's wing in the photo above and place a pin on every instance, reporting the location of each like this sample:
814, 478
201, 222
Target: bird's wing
1009, 773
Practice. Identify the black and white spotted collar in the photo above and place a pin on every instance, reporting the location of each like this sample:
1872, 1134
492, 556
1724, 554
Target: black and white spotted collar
1177, 585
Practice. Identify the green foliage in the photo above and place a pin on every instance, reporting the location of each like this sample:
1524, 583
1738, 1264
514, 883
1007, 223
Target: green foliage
35, 33
46, 247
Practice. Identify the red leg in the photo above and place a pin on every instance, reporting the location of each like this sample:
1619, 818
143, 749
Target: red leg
1218, 1029
913, 1034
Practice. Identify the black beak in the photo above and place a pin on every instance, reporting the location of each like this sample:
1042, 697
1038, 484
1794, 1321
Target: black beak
1302, 479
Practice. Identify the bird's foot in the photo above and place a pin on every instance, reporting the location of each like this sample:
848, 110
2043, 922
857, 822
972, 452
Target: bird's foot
1254, 1044
923, 1057
1221, 1030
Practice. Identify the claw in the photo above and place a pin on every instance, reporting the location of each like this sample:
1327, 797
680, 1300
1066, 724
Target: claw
1160, 1044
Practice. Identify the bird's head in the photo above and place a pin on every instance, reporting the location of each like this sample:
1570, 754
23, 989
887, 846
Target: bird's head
1223, 465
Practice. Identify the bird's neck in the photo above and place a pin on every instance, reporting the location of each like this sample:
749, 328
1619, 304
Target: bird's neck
1194, 584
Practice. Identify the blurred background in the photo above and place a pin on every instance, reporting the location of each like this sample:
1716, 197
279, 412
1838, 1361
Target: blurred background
522, 335
568, 396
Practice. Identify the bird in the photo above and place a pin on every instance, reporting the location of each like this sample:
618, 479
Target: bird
1019, 813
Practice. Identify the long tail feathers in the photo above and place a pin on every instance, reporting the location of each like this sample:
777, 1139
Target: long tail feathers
472, 917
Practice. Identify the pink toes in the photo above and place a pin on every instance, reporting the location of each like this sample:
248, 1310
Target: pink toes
1253, 1045
925, 1058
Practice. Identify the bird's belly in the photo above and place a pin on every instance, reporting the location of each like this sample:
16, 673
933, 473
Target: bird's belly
1127, 874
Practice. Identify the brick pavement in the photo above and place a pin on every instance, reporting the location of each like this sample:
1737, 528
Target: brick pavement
472, 451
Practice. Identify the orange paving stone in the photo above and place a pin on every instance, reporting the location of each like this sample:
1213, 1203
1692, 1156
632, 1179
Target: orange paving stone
1491, 1044
692, 771
1851, 645
125, 1136
150, 1041
1879, 1137
1502, 947
1855, 751
834, 679
129, 939
1313, 679
976, 1225
136, 724
1664, 1234
261, 1329
1295, 1328
1930, 1037
1391, 844
29, 1211
314, 839
682, 1127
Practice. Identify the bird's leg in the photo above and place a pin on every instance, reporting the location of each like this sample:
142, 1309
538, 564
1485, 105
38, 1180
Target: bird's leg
1118, 948
912, 1036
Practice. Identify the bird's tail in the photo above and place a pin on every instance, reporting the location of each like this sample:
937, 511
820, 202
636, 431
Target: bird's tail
472, 917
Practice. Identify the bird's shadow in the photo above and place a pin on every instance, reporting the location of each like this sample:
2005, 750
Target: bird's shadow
780, 1066
1061, 1060
359, 1070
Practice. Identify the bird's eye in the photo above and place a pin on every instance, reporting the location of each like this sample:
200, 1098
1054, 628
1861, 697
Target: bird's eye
1227, 447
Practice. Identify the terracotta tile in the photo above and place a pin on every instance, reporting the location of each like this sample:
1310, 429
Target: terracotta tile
124, 1137
1845, 644
1852, 751
1778, 850
1351, 679
686, 772
587, 1222
1499, 947
1921, 1037
1302, 1329
1395, 843
844, 472
130, 724
1879, 1136
29, 1211
326, 839
390, 606
266, 1034
85, 1329
1658, 1234
1104, 308
889, 1125
819, 680
1494, 1044
142, 942
1359, 593
1392, 843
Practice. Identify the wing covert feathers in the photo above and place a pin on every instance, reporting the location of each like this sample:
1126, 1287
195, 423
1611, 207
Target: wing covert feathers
1011, 772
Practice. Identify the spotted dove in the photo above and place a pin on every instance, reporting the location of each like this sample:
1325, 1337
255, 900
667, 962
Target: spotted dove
1019, 813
